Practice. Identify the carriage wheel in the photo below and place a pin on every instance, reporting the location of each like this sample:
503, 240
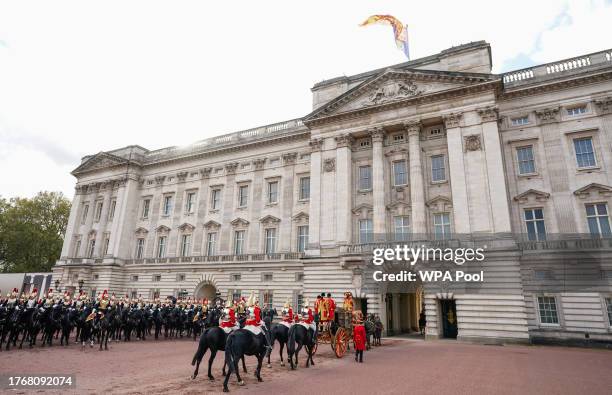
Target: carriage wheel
340, 343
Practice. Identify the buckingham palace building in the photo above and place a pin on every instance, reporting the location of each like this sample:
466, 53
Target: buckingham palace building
436, 151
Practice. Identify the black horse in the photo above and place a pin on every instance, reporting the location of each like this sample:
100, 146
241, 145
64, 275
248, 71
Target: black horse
68, 322
240, 343
213, 339
303, 337
280, 333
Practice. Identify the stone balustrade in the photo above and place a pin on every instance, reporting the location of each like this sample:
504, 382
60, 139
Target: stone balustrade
555, 69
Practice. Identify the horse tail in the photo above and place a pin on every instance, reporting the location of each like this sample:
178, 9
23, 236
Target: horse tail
202, 347
229, 352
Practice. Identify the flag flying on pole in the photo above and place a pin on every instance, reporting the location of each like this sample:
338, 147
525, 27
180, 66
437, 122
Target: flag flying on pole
400, 31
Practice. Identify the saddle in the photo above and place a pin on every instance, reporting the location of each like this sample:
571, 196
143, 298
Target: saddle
308, 326
287, 324
256, 330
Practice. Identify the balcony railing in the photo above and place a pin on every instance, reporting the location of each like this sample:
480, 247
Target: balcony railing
220, 258
547, 71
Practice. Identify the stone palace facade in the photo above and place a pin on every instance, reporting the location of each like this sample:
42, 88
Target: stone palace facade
434, 151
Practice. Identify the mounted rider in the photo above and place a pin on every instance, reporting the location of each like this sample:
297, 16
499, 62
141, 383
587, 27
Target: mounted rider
254, 323
228, 320
32, 299
287, 313
12, 298
49, 301
307, 318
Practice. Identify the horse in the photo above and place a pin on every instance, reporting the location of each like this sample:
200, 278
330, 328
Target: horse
243, 342
103, 325
214, 339
67, 323
31, 326
370, 329
304, 338
13, 323
50, 323
278, 332
86, 328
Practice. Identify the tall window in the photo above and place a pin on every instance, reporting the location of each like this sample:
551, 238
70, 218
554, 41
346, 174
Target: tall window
91, 248
84, 216
268, 299
365, 231
239, 242
299, 301
190, 203
585, 155
243, 195
161, 247
236, 294
598, 220
365, 177
211, 244
534, 220
442, 229
215, 199
302, 242
185, 245
146, 205
547, 307
167, 205
399, 173
273, 192
525, 159
402, 228
270, 238
304, 188
140, 248
106, 243
77, 248
98, 213
438, 172
111, 211
609, 306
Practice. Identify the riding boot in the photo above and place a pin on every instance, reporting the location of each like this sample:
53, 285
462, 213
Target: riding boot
356, 355
360, 356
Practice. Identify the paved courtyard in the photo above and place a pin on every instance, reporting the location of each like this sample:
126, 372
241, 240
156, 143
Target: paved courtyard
398, 367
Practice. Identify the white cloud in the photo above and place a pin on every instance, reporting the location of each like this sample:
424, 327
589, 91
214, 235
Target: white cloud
91, 76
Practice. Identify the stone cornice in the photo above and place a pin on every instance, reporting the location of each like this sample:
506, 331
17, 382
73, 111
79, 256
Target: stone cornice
487, 114
345, 140
316, 144
548, 115
377, 134
412, 127
452, 120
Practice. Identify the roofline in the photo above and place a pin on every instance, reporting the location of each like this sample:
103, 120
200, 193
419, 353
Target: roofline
408, 64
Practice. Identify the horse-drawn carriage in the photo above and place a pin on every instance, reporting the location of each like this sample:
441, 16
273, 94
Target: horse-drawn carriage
337, 333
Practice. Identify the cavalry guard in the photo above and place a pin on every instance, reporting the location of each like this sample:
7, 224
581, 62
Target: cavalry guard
254, 322
228, 321
307, 318
49, 302
287, 312
32, 301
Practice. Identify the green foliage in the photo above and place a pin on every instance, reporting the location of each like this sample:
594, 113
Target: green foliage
31, 232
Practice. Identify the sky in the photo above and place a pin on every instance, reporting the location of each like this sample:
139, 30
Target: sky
80, 77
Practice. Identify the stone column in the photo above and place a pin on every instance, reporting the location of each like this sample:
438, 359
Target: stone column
256, 207
73, 221
498, 191
225, 233
286, 241
108, 189
417, 191
378, 183
461, 212
344, 187
315, 197
125, 213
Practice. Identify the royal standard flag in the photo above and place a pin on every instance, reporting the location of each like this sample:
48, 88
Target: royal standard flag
400, 31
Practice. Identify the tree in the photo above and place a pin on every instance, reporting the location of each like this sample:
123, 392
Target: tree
31, 232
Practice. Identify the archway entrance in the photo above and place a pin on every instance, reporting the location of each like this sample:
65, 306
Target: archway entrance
205, 290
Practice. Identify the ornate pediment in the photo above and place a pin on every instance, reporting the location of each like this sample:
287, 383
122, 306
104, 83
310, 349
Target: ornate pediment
186, 227
439, 203
399, 208
239, 222
363, 210
141, 231
301, 217
162, 229
101, 160
269, 220
212, 225
532, 195
395, 86
592, 190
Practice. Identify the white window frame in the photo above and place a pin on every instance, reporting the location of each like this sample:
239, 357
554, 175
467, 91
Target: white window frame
364, 183
98, 212
446, 234
365, 228
576, 110
111, 210
215, 199
190, 202
84, 213
91, 247
557, 310
162, 245
397, 182
270, 240
302, 238
598, 217
211, 243
535, 222
593, 152
140, 248
146, 208
520, 121
243, 198
239, 241
186, 240
532, 160
443, 168
273, 195
304, 192
167, 205
404, 234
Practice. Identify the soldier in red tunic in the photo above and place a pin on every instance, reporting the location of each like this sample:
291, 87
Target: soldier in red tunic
332, 307
228, 322
359, 335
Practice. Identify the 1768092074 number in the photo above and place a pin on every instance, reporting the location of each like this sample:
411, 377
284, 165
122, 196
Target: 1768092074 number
37, 381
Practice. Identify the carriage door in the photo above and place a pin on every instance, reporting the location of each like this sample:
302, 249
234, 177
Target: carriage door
448, 309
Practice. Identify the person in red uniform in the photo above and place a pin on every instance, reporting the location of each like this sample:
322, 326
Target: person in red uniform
359, 335
229, 318
254, 312
288, 313
332, 307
